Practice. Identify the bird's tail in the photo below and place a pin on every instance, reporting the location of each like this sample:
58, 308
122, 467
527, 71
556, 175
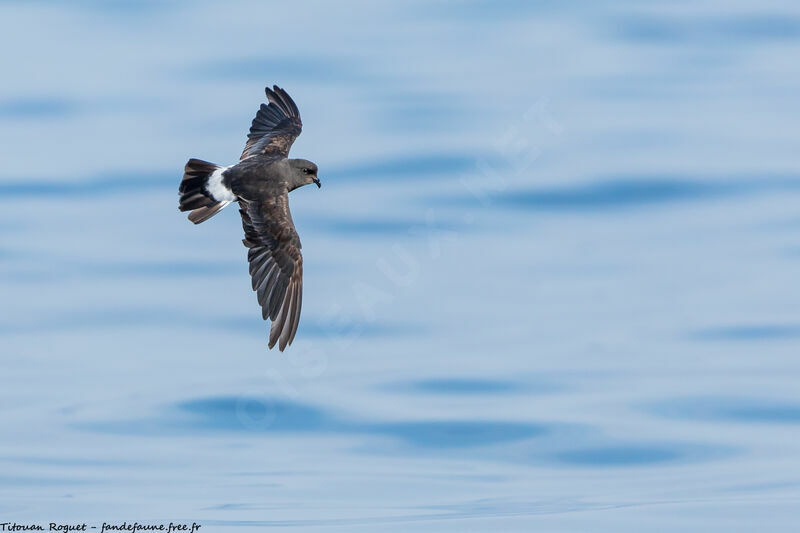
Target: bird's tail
203, 191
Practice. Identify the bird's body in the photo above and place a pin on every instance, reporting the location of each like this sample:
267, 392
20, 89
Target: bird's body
260, 182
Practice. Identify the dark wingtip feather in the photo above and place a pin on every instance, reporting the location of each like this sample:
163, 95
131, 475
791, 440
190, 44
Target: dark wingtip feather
277, 323
287, 100
287, 318
296, 314
282, 100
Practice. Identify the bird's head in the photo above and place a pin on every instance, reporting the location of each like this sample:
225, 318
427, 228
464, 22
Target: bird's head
304, 172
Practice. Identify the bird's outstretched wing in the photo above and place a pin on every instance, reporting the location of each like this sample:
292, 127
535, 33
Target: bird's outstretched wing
275, 127
276, 265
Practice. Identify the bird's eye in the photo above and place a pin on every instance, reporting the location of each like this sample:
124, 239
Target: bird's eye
305, 171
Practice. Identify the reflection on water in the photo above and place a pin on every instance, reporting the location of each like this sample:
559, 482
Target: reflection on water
550, 280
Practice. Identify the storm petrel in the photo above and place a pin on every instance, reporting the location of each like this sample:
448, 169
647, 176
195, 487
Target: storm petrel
261, 182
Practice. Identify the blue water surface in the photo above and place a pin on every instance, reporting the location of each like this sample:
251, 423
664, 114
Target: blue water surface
551, 278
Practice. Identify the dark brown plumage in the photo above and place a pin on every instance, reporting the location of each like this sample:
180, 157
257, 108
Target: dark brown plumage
261, 183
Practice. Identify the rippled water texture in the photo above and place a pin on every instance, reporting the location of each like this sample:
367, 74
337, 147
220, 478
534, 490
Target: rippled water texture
551, 278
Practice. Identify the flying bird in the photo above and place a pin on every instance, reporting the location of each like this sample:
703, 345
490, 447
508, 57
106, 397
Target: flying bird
260, 182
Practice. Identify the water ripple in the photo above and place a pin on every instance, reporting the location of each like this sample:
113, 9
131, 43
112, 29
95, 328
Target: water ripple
730, 409
271, 415
466, 386
613, 195
522, 441
28, 108
755, 332
718, 30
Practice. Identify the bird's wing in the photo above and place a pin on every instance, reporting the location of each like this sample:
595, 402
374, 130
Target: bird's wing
276, 265
275, 127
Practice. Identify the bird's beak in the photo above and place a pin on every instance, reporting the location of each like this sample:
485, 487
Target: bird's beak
319, 183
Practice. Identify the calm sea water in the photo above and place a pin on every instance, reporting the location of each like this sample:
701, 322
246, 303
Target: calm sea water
551, 278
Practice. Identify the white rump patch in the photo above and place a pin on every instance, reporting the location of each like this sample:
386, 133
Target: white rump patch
217, 189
